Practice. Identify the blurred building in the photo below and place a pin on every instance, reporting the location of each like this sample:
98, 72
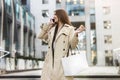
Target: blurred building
43, 11
100, 17
17, 34
107, 30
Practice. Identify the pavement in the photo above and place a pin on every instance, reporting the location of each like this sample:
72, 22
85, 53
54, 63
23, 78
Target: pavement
91, 72
99, 72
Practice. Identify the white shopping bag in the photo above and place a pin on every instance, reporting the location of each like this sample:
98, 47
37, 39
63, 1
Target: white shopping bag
74, 64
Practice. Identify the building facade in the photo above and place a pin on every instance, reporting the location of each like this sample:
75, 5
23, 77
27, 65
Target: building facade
107, 28
43, 11
17, 36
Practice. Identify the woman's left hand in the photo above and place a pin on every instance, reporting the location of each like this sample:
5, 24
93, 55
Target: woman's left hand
80, 29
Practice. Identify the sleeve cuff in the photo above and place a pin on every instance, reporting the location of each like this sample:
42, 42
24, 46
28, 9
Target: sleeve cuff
45, 27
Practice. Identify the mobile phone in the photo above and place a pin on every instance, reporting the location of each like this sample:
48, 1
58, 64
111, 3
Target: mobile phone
53, 20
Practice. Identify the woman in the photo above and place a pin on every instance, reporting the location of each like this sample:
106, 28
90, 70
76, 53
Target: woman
59, 34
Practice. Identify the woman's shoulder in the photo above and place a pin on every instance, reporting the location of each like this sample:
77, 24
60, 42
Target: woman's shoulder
69, 26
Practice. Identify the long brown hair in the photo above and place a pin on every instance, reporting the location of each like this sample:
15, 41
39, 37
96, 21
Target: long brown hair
62, 15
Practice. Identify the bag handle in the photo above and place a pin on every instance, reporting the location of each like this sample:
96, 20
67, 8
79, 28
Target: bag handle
70, 48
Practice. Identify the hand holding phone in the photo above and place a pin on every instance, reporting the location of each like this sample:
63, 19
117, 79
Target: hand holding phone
52, 21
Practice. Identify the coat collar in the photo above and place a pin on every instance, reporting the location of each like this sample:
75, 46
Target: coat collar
64, 30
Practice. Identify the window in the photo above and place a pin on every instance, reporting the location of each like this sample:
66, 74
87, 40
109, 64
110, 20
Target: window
24, 16
8, 6
106, 10
107, 24
45, 13
108, 39
92, 11
17, 11
58, 1
81, 1
108, 52
24, 2
108, 58
58, 4
44, 1
75, 7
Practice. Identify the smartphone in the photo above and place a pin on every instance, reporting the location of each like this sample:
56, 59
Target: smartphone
53, 20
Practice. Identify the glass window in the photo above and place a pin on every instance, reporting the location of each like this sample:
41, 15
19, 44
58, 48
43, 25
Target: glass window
82, 41
8, 6
44, 1
45, 13
108, 39
108, 58
58, 4
29, 20
106, 10
24, 2
75, 7
92, 18
8, 2
92, 11
32, 22
24, 15
107, 24
25, 42
58, 1
93, 45
17, 45
17, 11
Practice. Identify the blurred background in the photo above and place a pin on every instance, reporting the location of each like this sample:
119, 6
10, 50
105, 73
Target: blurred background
20, 22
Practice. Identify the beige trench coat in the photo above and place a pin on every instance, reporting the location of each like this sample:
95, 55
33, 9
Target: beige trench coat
64, 38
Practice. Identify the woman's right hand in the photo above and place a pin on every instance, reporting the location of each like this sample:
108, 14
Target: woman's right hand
51, 22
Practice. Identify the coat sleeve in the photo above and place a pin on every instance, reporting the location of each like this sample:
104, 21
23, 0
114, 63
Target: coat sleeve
44, 32
73, 38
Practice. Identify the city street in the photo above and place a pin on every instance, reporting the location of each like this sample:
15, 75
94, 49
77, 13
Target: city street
34, 32
27, 75
93, 73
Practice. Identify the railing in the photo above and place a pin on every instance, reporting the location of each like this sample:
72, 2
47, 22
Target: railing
2, 50
2, 60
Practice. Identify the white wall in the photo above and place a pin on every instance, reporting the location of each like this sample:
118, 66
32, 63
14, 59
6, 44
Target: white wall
99, 32
115, 19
